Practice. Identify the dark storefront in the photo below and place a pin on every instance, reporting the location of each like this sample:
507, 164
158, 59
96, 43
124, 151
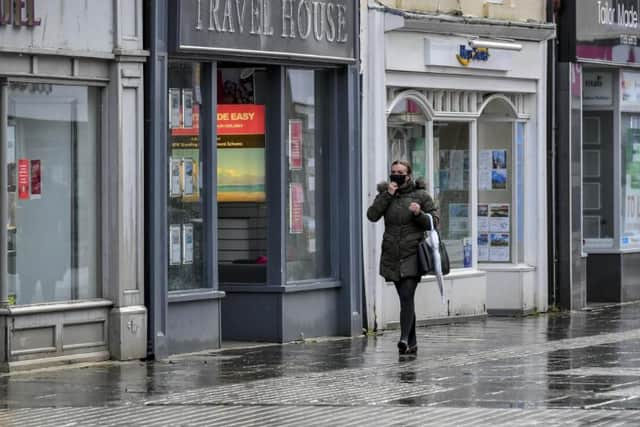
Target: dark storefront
257, 239
598, 168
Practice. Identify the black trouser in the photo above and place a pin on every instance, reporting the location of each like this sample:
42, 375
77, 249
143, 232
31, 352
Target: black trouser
406, 288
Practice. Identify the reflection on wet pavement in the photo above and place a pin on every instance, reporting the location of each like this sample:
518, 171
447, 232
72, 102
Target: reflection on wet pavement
579, 360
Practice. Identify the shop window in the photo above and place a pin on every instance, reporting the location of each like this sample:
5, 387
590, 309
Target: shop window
185, 213
241, 145
452, 189
53, 193
310, 131
407, 140
499, 236
630, 236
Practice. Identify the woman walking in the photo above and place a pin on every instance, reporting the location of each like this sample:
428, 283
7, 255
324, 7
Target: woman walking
404, 204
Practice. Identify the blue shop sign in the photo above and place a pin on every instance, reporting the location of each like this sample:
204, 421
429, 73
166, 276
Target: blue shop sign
465, 55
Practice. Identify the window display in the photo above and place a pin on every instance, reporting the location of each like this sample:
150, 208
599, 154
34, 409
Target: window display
185, 223
630, 180
53, 193
495, 188
308, 139
406, 132
453, 192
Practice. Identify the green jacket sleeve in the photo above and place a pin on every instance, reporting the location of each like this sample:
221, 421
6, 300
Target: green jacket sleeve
427, 206
379, 206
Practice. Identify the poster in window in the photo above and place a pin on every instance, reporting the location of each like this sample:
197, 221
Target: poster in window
188, 176
483, 247
296, 206
187, 108
499, 218
174, 108
174, 177
175, 257
187, 243
295, 144
241, 153
500, 247
23, 179
632, 189
458, 220
36, 179
456, 170
483, 218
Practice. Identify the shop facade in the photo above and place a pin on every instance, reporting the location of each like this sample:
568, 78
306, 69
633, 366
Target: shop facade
71, 143
472, 121
598, 155
253, 160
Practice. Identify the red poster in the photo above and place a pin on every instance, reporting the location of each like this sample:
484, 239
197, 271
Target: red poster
240, 119
296, 205
23, 179
36, 179
295, 144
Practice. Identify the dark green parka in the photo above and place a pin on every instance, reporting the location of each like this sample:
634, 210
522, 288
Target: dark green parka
402, 229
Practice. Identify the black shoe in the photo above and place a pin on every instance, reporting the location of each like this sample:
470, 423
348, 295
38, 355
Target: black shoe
402, 347
412, 349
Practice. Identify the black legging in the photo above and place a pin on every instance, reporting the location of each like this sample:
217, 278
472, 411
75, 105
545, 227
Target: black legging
406, 288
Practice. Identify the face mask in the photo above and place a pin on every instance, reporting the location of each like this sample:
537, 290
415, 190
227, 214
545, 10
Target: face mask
398, 179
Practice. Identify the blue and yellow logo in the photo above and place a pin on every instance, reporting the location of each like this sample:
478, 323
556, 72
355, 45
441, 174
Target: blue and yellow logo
474, 54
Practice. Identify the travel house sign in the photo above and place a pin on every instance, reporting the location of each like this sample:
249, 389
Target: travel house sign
310, 29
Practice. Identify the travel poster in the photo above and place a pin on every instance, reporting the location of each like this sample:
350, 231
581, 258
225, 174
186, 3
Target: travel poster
483, 247
241, 153
187, 246
23, 179
483, 218
499, 247
295, 144
458, 220
499, 218
175, 257
296, 208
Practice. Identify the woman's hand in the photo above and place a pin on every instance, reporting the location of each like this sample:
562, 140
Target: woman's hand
415, 208
392, 188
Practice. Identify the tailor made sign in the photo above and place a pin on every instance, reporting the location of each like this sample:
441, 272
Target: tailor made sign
313, 29
18, 13
607, 30
461, 55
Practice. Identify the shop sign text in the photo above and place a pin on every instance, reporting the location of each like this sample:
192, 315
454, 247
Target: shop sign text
322, 20
308, 28
465, 56
19, 13
621, 16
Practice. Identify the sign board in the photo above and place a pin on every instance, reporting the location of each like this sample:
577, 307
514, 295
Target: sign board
460, 55
308, 29
598, 88
603, 30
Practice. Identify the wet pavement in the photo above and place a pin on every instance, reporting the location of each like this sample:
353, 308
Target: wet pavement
581, 368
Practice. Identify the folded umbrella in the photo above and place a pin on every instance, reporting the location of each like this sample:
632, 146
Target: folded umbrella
433, 240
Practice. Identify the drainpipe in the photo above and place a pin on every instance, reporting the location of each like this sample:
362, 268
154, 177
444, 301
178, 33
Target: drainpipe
551, 161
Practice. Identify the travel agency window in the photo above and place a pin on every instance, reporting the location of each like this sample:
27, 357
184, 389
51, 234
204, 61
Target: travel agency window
53, 192
630, 164
598, 143
500, 184
242, 98
311, 179
451, 142
186, 263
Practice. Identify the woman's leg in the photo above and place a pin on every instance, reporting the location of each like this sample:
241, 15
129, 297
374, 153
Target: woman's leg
406, 289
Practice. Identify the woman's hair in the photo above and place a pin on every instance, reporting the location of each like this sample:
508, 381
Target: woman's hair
404, 163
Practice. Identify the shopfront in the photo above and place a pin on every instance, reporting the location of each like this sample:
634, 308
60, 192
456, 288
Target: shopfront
598, 64
253, 159
472, 122
71, 275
